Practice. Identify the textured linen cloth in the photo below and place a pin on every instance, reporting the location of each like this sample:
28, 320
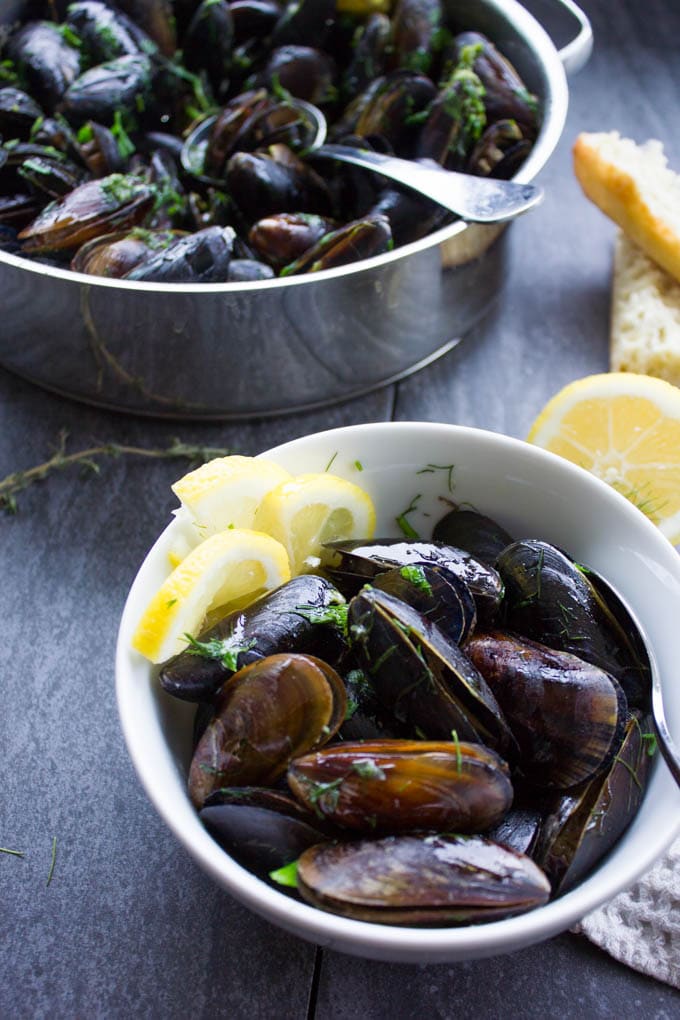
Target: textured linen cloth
641, 926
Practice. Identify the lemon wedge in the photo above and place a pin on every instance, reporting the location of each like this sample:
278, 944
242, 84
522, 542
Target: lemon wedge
309, 510
222, 493
624, 428
221, 570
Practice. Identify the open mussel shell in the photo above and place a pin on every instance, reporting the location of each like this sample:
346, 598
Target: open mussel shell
551, 599
262, 829
420, 675
586, 822
267, 714
477, 534
392, 786
566, 715
352, 563
439, 595
421, 880
97, 207
290, 618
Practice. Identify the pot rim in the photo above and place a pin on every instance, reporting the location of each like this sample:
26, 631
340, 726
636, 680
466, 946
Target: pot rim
555, 113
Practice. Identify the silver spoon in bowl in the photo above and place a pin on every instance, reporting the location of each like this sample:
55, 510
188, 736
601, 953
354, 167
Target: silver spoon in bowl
475, 199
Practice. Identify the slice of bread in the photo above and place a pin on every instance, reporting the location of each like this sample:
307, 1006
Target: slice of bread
633, 186
645, 315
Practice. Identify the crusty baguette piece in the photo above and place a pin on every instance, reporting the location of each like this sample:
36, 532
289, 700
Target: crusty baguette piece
633, 185
645, 315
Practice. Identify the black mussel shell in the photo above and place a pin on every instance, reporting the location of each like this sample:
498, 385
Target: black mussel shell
267, 714
566, 715
439, 595
421, 880
201, 257
262, 829
391, 786
421, 676
358, 239
284, 237
46, 61
291, 618
352, 563
477, 534
551, 599
587, 821
519, 830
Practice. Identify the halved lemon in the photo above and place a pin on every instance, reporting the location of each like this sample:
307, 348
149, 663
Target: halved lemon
222, 570
624, 428
309, 510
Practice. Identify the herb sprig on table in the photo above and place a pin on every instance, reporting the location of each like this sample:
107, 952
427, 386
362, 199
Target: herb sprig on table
88, 460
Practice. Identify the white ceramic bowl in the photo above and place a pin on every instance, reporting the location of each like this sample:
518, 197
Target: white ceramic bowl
531, 493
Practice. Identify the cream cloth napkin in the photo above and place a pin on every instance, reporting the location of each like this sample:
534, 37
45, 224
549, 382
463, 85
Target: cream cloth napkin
641, 926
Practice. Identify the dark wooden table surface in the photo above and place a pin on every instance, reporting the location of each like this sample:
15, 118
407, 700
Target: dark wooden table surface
128, 925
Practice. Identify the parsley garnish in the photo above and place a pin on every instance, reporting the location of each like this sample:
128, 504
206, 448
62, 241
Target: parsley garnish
416, 575
224, 650
287, 875
405, 525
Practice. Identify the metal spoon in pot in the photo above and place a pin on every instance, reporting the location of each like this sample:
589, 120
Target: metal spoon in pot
476, 199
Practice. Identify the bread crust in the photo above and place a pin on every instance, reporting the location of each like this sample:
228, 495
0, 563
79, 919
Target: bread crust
616, 192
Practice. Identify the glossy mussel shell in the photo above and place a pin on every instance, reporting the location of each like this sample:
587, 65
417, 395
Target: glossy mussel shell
439, 595
552, 600
403, 786
421, 880
421, 676
262, 829
267, 714
567, 715
281, 621
585, 823
352, 563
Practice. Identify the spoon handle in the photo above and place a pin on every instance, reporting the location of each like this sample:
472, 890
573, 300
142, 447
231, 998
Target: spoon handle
666, 745
478, 199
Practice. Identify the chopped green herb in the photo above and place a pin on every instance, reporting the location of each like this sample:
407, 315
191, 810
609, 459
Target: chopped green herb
36, 125
53, 861
649, 742
431, 468
459, 756
287, 875
14, 853
85, 134
358, 465
368, 769
416, 575
126, 147
224, 650
629, 768
70, 37
352, 706
420, 733
170, 603
405, 525
329, 793
328, 465
334, 614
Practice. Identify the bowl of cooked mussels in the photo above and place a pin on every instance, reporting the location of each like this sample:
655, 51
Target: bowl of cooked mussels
160, 214
432, 740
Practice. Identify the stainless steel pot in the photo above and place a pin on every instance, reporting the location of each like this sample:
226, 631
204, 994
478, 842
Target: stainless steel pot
240, 350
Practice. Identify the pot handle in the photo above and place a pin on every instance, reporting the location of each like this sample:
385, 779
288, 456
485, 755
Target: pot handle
575, 54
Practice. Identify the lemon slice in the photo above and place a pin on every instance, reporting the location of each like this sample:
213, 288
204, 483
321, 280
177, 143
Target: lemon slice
221, 570
624, 428
304, 513
222, 493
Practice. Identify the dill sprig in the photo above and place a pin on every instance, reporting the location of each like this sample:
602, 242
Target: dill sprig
13, 853
53, 861
88, 460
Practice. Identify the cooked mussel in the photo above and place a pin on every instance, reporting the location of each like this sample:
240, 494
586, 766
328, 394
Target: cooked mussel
267, 713
519, 830
392, 786
262, 829
426, 880
301, 616
439, 595
478, 534
566, 714
122, 87
90, 210
115, 255
264, 183
358, 239
352, 563
201, 257
551, 599
105, 33
586, 822
420, 675
283, 237
46, 61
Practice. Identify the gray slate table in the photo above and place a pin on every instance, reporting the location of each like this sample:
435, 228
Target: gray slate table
128, 926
